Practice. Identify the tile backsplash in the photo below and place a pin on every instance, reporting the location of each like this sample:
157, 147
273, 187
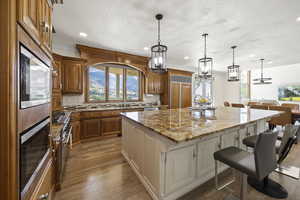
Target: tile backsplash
69, 100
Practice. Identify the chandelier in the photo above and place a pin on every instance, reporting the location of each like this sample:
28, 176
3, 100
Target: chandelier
233, 70
262, 80
205, 64
158, 52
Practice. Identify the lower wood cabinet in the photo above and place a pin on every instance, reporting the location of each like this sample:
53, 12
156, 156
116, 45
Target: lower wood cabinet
75, 131
90, 128
45, 188
111, 125
56, 101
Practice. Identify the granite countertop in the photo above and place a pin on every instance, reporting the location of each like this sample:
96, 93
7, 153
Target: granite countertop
82, 108
183, 124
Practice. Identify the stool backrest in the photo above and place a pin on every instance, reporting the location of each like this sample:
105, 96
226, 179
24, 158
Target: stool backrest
265, 154
287, 141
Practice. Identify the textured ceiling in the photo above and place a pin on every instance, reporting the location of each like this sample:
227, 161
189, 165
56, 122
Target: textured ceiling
260, 28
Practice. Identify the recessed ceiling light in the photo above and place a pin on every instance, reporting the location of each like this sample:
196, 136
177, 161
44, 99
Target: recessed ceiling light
270, 62
252, 55
186, 57
298, 19
146, 48
82, 34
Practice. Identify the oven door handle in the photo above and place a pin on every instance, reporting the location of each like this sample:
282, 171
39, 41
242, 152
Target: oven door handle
69, 135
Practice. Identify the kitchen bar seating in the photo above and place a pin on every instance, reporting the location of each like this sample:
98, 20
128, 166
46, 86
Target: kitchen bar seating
283, 147
257, 165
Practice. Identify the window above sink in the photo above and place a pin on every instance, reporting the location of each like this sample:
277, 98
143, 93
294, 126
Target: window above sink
113, 83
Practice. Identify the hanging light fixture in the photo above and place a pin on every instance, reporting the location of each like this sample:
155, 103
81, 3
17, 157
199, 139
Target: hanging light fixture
158, 53
233, 70
262, 80
205, 64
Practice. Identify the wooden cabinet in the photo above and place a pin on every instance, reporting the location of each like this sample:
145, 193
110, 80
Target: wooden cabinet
154, 83
75, 131
90, 128
180, 168
111, 125
72, 75
175, 93
29, 17
56, 76
46, 24
186, 95
177, 89
56, 101
45, 187
35, 16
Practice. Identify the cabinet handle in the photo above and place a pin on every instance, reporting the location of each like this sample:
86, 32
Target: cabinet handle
44, 196
194, 154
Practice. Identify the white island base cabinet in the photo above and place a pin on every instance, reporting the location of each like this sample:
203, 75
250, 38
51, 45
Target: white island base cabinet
168, 169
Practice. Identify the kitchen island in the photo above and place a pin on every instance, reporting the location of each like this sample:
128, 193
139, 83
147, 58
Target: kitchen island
171, 151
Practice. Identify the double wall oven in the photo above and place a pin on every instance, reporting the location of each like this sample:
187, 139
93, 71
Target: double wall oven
34, 112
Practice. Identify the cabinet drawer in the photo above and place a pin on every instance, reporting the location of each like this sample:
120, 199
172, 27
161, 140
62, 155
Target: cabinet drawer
75, 116
46, 184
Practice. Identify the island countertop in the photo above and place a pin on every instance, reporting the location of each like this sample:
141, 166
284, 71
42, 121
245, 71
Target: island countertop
184, 124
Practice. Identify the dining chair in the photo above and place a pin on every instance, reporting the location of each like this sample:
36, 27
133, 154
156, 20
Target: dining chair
237, 105
293, 106
261, 107
226, 104
250, 103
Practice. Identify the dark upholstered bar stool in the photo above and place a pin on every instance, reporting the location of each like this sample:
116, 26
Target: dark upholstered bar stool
282, 147
257, 165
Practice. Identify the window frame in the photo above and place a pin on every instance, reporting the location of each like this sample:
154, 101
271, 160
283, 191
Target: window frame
107, 100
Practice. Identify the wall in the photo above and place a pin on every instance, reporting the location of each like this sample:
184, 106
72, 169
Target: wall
282, 75
222, 89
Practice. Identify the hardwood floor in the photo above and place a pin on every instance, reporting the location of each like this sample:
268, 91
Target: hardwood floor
97, 170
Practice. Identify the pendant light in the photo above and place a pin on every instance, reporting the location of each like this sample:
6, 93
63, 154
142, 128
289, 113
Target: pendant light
205, 64
262, 80
233, 70
158, 52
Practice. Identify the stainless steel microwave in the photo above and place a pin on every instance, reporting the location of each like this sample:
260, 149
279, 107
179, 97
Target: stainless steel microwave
35, 79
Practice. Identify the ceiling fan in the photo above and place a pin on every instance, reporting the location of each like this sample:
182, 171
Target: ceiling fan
262, 80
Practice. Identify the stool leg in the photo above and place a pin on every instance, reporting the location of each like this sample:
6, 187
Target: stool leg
217, 179
244, 187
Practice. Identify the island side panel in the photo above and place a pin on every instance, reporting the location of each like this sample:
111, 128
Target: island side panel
169, 170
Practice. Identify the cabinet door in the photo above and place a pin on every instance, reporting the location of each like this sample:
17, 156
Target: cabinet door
111, 125
56, 77
230, 139
175, 95
91, 128
151, 162
75, 131
137, 148
28, 17
180, 168
72, 77
56, 101
150, 83
186, 95
46, 24
206, 162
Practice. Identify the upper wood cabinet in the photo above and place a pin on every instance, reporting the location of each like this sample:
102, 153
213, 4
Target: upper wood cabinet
72, 75
154, 84
46, 25
29, 16
35, 16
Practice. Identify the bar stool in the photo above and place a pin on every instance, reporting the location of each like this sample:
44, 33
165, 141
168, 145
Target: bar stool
257, 165
283, 146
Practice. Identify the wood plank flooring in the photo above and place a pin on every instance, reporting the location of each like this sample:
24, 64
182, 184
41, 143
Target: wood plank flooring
98, 171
